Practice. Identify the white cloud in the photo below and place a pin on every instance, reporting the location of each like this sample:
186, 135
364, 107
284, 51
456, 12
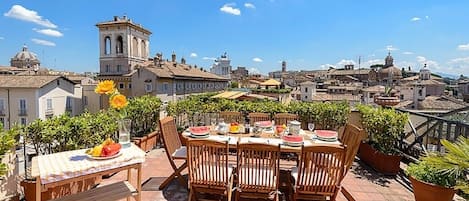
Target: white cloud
2, 38
254, 71
49, 32
430, 63
193, 55
42, 42
463, 47
460, 60
22, 13
426, 17
345, 62
249, 5
257, 59
230, 9
209, 58
327, 66
408, 53
391, 48
415, 19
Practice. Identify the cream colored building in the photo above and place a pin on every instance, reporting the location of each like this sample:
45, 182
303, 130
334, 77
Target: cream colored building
26, 98
308, 90
171, 81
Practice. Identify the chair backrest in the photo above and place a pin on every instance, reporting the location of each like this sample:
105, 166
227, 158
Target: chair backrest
284, 118
351, 138
258, 167
258, 116
170, 135
208, 163
320, 170
230, 116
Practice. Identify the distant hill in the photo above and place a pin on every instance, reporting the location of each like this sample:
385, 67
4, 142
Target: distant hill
447, 75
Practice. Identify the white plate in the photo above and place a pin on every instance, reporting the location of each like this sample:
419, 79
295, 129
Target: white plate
106, 157
199, 136
293, 144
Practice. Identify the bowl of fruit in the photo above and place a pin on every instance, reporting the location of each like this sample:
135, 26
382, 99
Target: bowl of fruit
106, 150
234, 127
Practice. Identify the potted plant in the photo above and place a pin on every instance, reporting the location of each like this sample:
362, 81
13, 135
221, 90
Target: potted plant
385, 128
144, 112
387, 98
437, 173
430, 183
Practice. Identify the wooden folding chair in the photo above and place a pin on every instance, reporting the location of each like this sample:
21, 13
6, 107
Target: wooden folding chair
208, 168
258, 116
352, 137
230, 116
174, 150
319, 173
258, 171
284, 118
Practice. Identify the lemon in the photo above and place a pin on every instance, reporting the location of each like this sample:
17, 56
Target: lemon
97, 150
284, 126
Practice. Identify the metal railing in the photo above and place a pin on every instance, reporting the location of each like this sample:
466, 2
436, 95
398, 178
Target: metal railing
424, 131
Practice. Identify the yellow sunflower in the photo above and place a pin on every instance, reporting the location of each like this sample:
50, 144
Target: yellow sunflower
105, 87
118, 101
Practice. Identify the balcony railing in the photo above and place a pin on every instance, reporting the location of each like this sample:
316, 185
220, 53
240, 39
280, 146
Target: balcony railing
425, 131
22, 112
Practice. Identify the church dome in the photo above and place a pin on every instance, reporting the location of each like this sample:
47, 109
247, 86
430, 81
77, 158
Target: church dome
392, 70
25, 59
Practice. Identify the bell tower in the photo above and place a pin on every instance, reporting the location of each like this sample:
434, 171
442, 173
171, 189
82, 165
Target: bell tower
122, 45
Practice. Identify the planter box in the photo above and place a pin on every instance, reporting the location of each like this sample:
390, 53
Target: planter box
9, 182
29, 187
424, 191
147, 142
383, 163
140, 142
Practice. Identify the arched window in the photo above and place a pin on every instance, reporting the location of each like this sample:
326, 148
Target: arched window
119, 45
107, 45
143, 52
135, 47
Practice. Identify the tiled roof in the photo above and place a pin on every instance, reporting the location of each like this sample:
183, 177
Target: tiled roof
271, 82
30, 81
172, 70
438, 103
350, 72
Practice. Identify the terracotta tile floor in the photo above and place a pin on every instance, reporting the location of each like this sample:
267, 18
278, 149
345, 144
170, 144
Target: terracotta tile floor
361, 182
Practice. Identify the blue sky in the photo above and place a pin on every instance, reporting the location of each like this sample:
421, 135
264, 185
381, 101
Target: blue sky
257, 34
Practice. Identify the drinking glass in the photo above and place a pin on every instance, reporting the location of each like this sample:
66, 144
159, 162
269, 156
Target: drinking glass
311, 126
213, 123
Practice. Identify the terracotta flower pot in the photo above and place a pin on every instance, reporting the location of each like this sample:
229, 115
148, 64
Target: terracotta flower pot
386, 101
424, 191
383, 163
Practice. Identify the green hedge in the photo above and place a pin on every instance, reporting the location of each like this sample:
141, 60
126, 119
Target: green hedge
324, 115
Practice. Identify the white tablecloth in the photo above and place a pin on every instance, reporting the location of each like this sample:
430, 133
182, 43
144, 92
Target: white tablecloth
70, 164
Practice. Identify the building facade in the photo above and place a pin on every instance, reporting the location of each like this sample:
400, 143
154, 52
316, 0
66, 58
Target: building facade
26, 98
222, 66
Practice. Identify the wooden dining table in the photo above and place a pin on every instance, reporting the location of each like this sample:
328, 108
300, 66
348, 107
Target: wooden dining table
267, 137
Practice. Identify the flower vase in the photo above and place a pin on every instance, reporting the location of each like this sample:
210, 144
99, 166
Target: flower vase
124, 132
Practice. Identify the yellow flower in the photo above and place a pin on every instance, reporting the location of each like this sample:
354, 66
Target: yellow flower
118, 101
105, 87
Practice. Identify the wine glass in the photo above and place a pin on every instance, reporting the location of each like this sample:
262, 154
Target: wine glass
311, 126
213, 123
